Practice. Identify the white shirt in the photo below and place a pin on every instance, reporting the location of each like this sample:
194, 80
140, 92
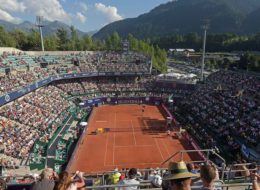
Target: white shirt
129, 182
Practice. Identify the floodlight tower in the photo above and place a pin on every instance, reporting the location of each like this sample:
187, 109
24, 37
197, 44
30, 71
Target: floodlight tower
205, 27
40, 25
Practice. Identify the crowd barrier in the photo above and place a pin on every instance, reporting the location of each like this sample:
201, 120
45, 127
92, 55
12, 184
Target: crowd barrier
188, 138
186, 135
121, 100
81, 138
29, 88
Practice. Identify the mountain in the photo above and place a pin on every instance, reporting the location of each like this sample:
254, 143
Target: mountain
48, 29
251, 23
185, 16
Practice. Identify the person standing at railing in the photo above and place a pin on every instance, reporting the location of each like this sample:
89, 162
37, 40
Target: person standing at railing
114, 177
208, 174
255, 180
3, 185
46, 182
68, 182
179, 177
131, 180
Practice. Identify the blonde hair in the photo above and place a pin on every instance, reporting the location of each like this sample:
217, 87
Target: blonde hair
64, 181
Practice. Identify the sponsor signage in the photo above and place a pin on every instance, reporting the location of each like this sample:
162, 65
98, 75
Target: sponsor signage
122, 100
18, 93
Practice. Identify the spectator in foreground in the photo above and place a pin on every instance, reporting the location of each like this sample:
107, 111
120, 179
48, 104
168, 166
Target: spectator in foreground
131, 180
3, 185
68, 182
114, 177
191, 168
255, 179
179, 177
208, 174
46, 181
157, 180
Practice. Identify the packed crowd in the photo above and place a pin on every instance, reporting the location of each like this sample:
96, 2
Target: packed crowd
116, 87
38, 114
118, 62
72, 63
179, 175
8, 59
106, 84
224, 109
35, 116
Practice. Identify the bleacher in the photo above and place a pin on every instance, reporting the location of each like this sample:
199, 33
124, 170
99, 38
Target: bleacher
230, 177
224, 113
49, 135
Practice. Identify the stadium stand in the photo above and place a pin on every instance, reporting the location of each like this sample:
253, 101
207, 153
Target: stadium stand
37, 129
224, 109
31, 71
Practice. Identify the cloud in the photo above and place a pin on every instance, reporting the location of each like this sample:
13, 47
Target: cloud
7, 17
109, 11
12, 5
49, 9
81, 17
83, 7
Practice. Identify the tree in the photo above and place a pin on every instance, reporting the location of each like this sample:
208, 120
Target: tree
99, 45
21, 39
74, 41
34, 41
6, 40
108, 42
51, 43
133, 42
87, 43
63, 39
116, 41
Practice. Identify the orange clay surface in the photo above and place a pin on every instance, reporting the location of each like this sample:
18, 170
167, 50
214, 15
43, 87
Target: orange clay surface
135, 139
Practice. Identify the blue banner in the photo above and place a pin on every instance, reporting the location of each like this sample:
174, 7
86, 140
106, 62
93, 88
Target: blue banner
18, 93
121, 100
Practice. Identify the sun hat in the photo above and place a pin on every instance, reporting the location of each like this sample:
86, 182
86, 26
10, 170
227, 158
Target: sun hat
178, 170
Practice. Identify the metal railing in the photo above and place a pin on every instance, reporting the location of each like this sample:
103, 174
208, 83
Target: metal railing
223, 186
207, 151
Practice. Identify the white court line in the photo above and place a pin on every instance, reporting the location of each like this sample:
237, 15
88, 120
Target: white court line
134, 146
158, 148
114, 140
106, 151
166, 148
136, 164
133, 131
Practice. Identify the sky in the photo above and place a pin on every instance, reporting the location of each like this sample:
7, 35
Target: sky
86, 15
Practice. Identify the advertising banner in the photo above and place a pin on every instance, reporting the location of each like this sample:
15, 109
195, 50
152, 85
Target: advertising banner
18, 93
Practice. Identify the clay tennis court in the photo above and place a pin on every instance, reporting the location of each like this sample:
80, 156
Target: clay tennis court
134, 139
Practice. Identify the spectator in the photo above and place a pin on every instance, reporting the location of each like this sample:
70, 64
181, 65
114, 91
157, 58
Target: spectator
123, 174
151, 175
208, 174
114, 177
191, 168
131, 180
255, 180
179, 177
67, 182
157, 180
230, 117
3, 185
46, 181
